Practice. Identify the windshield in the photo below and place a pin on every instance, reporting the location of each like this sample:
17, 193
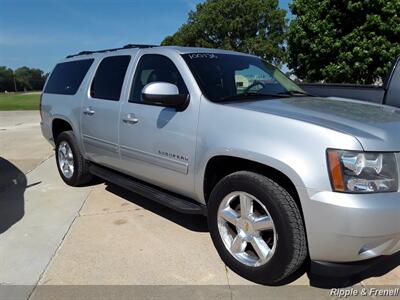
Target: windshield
228, 77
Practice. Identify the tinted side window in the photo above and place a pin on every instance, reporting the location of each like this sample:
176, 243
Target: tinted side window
109, 78
67, 77
152, 68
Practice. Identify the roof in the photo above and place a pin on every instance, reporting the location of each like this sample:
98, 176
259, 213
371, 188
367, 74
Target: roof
135, 47
187, 50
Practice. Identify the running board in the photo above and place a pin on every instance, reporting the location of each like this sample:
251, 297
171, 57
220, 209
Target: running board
183, 205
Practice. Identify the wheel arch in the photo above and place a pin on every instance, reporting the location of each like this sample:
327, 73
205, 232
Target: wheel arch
220, 166
59, 125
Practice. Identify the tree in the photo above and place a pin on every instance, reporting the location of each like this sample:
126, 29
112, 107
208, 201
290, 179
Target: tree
253, 26
23, 76
37, 79
6, 79
353, 41
29, 79
26, 79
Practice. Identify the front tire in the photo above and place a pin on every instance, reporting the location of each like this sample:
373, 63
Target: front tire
71, 165
256, 228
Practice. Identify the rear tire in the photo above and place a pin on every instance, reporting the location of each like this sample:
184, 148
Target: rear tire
71, 165
265, 253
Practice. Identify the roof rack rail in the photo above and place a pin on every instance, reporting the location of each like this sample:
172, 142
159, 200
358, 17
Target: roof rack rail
139, 46
128, 46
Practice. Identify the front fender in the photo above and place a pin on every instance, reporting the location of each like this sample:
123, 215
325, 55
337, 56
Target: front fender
295, 148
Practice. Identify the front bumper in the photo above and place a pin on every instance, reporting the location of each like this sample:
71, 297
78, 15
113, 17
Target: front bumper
351, 227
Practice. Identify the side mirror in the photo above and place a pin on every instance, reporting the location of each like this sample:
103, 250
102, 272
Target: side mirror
165, 94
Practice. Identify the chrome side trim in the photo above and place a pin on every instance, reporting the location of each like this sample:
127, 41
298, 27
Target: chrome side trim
96, 142
154, 159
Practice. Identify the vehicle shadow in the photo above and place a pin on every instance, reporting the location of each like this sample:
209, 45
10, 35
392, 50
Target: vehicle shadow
199, 224
192, 222
379, 267
12, 187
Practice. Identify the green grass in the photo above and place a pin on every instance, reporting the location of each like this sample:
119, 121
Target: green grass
19, 101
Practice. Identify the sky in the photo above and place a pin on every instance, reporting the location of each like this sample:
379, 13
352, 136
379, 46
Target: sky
38, 33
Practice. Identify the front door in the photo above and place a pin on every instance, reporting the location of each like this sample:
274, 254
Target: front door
157, 144
100, 111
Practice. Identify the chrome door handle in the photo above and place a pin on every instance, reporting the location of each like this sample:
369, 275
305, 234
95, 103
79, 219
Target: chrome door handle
130, 119
89, 111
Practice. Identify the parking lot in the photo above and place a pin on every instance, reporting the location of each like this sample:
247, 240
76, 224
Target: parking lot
52, 234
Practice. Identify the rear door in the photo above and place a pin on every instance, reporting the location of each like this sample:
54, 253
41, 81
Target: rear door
100, 110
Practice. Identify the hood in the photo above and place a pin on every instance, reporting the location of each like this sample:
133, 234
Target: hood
377, 127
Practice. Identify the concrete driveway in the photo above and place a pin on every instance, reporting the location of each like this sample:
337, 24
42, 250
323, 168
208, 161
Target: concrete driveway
54, 239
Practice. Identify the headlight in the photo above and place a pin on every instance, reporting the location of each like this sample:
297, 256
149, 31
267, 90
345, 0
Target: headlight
362, 172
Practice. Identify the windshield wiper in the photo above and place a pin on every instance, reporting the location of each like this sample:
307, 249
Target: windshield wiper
296, 93
250, 95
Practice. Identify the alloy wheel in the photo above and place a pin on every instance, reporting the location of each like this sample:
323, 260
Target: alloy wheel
65, 159
247, 229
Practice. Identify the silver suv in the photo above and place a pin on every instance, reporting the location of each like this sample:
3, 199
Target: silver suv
284, 178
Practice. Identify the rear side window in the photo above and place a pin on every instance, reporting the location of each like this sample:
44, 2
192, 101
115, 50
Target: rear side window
67, 77
109, 78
